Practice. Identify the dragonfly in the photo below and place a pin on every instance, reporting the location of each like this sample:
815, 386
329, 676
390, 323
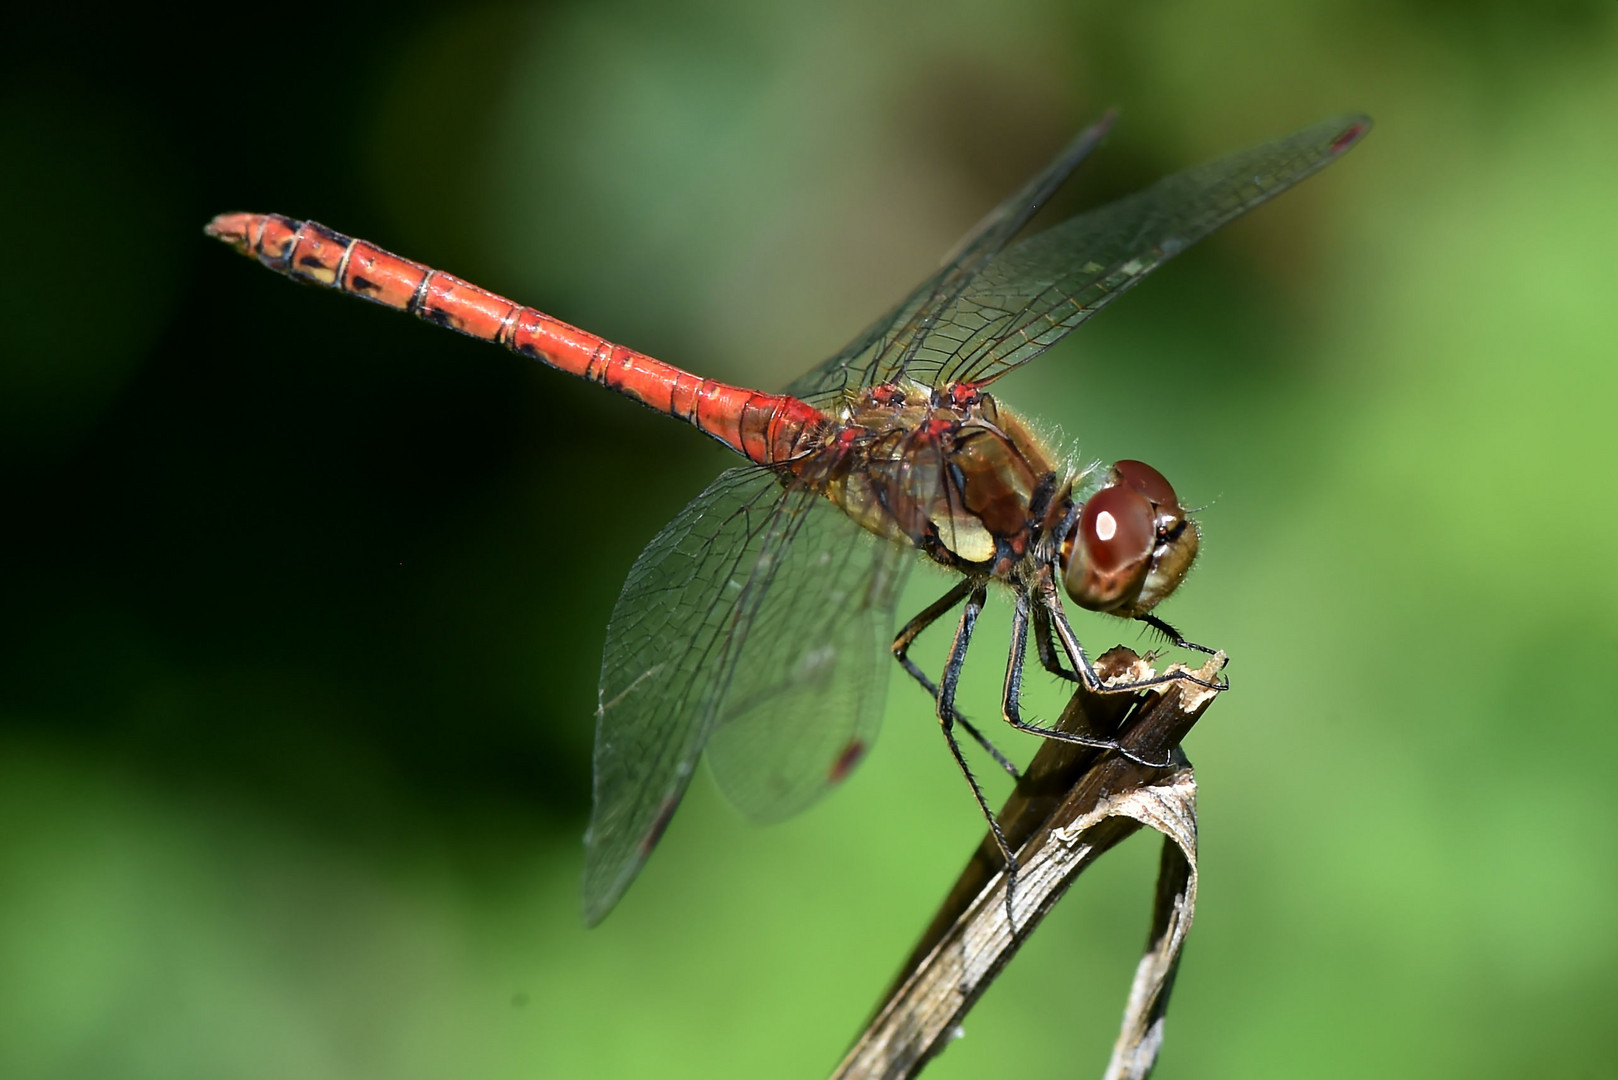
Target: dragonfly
756, 629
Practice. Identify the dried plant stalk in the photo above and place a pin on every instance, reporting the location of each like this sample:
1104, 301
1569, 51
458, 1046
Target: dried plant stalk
1072, 805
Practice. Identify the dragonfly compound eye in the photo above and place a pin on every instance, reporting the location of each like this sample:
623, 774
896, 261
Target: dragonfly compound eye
1177, 538
1111, 549
1150, 483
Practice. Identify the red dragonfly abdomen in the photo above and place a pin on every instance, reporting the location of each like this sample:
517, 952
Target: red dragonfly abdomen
766, 428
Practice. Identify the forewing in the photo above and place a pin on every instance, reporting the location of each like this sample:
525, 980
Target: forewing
806, 700
881, 354
672, 644
1032, 295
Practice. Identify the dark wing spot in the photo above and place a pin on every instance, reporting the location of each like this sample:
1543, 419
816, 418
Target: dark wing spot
665, 814
850, 757
1348, 138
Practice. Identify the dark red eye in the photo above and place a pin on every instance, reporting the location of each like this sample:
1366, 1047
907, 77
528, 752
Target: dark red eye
1116, 529
1132, 544
1111, 549
1150, 483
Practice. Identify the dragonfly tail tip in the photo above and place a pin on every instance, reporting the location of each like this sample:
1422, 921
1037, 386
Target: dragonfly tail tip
233, 229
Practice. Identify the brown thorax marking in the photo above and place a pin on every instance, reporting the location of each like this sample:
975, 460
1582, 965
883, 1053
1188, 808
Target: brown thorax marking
952, 472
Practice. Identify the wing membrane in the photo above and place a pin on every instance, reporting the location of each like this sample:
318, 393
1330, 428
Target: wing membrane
806, 700
754, 626
672, 644
880, 354
991, 309
1034, 294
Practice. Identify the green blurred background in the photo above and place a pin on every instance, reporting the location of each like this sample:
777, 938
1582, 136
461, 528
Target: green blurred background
304, 600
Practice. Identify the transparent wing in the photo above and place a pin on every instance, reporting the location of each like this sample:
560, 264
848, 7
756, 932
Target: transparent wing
806, 700
990, 310
672, 644
1032, 295
881, 353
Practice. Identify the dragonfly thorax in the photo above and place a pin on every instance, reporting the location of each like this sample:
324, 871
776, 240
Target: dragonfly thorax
952, 472
964, 479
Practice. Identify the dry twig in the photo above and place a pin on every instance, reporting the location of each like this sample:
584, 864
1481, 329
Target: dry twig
1072, 805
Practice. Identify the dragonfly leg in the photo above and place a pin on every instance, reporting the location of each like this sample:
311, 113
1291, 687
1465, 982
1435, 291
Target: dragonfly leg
1056, 616
946, 722
1049, 599
1052, 602
1173, 635
901, 653
1046, 643
1010, 706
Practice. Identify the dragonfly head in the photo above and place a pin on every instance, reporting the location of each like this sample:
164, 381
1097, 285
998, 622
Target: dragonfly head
1131, 546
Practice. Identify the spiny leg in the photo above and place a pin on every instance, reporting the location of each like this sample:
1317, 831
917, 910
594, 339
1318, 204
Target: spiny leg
1174, 635
1011, 693
946, 722
1052, 603
901, 652
1064, 632
1051, 610
1048, 658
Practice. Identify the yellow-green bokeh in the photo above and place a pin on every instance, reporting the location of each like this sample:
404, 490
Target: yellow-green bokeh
294, 745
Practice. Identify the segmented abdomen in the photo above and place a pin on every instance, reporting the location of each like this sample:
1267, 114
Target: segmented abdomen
766, 428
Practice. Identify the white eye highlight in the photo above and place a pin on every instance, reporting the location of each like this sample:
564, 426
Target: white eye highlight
1106, 526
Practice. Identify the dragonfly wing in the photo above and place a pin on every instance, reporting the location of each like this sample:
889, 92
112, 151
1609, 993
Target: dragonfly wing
672, 645
806, 699
1033, 294
881, 353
